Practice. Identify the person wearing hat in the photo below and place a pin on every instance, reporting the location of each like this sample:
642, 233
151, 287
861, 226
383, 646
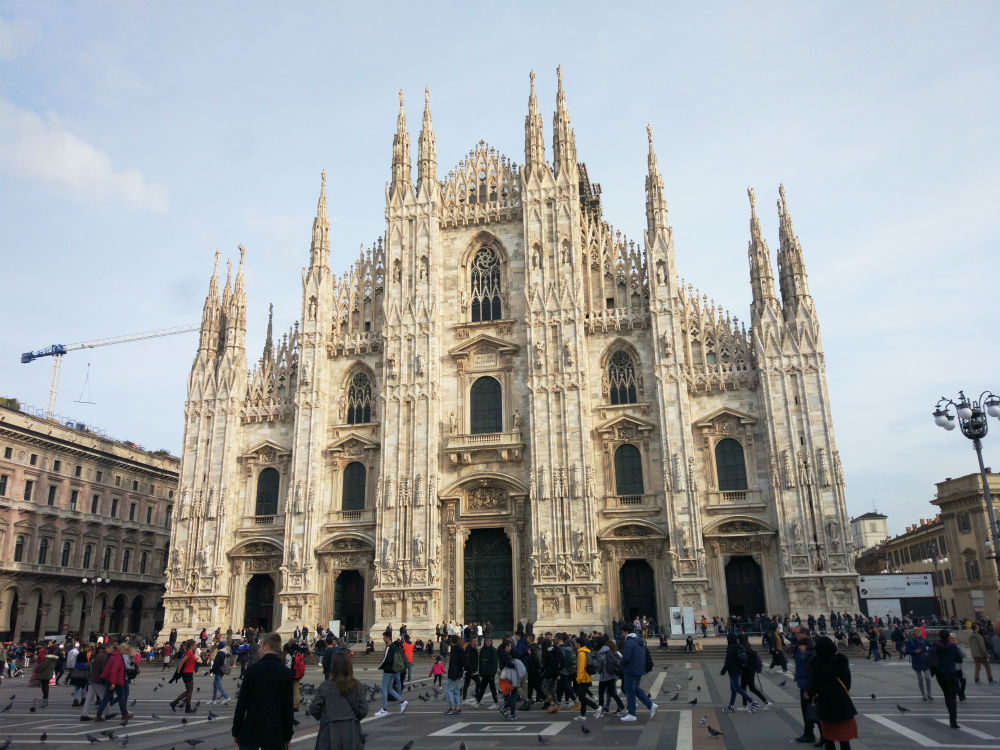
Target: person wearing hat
218, 671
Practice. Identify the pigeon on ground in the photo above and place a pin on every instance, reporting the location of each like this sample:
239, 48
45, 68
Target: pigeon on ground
690, 678
584, 728
676, 696
109, 733
212, 715
155, 688
155, 716
664, 669
703, 720
698, 688
6, 744
543, 740
902, 709
408, 745
192, 743
462, 746
295, 721
423, 698
782, 683
32, 709
714, 732
693, 701
197, 690
873, 696
45, 736
7, 708
184, 720
93, 739
124, 740
133, 701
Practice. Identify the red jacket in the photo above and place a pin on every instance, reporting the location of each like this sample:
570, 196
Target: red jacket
114, 670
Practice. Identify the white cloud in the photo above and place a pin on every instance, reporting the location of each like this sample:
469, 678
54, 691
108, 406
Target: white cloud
41, 149
16, 37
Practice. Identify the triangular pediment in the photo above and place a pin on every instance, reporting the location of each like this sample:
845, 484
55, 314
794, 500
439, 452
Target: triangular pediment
709, 420
624, 423
267, 451
352, 443
484, 342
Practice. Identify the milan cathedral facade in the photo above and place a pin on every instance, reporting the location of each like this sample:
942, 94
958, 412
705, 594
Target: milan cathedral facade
504, 409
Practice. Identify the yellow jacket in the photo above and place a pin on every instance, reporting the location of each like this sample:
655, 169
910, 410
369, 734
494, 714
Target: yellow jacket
582, 656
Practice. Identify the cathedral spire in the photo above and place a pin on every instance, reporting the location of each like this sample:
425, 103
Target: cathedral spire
227, 290
236, 310
791, 267
269, 339
210, 313
761, 275
534, 139
563, 138
319, 252
400, 154
656, 204
427, 149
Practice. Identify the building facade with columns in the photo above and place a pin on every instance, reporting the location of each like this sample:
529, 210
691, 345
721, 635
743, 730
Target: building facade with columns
75, 505
505, 409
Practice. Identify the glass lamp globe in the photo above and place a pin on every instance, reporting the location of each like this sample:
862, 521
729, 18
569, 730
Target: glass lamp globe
965, 411
940, 418
950, 424
993, 409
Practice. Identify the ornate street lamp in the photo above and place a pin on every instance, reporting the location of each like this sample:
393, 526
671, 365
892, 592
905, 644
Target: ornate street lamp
94, 581
932, 549
971, 415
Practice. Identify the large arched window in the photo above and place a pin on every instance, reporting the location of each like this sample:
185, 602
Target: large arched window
86, 555
65, 555
19, 548
43, 551
730, 466
628, 471
267, 492
486, 285
354, 487
621, 379
359, 399
486, 406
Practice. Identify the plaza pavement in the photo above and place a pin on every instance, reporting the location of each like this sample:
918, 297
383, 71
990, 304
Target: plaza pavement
676, 725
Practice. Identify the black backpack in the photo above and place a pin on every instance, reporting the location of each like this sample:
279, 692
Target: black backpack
649, 659
742, 656
934, 662
613, 663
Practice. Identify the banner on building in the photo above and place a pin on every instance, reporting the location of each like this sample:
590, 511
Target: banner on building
896, 586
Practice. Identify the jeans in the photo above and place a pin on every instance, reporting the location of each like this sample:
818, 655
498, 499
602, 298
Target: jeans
606, 690
924, 682
453, 691
217, 688
633, 691
121, 695
510, 702
735, 689
388, 688
409, 671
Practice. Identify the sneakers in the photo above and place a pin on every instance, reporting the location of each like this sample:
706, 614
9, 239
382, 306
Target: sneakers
382, 712
512, 717
598, 712
494, 707
753, 707
227, 701
503, 711
449, 712
628, 717
652, 710
576, 706
579, 718
403, 705
469, 701
553, 709
728, 709
85, 718
212, 702
617, 713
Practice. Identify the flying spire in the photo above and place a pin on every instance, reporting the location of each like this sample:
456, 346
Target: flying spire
269, 339
563, 138
656, 204
400, 154
210, 313
227, 290
791, 267
427, 149
534, 139
319, 252
761, 275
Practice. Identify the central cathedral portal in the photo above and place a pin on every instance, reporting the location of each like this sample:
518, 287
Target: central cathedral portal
489, 582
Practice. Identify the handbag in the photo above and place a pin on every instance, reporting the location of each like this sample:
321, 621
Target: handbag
506, 686
812, 712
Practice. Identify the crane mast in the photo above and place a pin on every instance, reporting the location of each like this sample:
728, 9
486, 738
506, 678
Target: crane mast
56, 351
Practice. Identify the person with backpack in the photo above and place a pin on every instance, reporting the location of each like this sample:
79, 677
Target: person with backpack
804, 655
392, 664
512, 671
456, 668
566, 671
945, 657
298, 666
470, 667
218, 671
551, 664
609, 670
919, 651
489, 664
754, 666
737, 659
636, 662
585, 667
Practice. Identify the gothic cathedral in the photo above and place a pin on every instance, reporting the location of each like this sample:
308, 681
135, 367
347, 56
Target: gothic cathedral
505, 409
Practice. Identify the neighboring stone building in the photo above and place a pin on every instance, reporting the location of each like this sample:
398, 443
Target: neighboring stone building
868, 530
505, 409
963, 512
74, 504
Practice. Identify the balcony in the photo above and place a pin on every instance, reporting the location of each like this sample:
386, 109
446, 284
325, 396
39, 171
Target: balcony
340, 519
488, 446
631, 505
254, 525
731, 501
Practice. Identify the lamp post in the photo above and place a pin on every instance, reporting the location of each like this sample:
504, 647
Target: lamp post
971, 414
932, 549
94, 581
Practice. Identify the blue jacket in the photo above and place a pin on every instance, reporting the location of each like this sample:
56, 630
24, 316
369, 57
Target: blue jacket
634, 656
949, 656
802, 662
918, 660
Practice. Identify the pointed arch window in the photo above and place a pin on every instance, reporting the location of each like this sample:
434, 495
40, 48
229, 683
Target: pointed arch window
730, 465
628, 471
267, 493
355, 476
621, 379
359, 399
486, 285
19, 548
486, 406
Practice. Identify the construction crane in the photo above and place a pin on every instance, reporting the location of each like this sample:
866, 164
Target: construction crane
56, 351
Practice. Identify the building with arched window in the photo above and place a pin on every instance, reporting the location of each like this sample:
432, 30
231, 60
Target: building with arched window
62, 529
504, 409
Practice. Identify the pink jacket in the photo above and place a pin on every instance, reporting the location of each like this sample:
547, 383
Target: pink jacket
114, 670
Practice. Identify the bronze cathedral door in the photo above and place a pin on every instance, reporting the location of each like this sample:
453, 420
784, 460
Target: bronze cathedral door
489, 580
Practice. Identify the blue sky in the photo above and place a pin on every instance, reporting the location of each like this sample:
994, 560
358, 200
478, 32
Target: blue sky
136, 138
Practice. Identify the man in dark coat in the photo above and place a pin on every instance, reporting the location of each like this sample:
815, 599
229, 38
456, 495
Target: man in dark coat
263, 718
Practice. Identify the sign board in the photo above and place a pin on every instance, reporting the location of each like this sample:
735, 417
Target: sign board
896, 586
681, 621
887, 609
334, 626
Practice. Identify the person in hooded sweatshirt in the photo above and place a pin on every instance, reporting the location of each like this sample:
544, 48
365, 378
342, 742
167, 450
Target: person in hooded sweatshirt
829, 686
948, 657
733, 666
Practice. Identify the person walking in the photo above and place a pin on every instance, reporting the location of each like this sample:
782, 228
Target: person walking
218, 671
78, 676
919, 652
71, 656
392, 664
185, 673
736, 660
512, 671
804, 656
829, 688
633, 668
609, 670
945, 657
489, 665
471, 669
407, 645
113, 675
339, 705
551, 664
95, 685
980, 654
456, 667
263, 717
749, 672
45, 667
584, 668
